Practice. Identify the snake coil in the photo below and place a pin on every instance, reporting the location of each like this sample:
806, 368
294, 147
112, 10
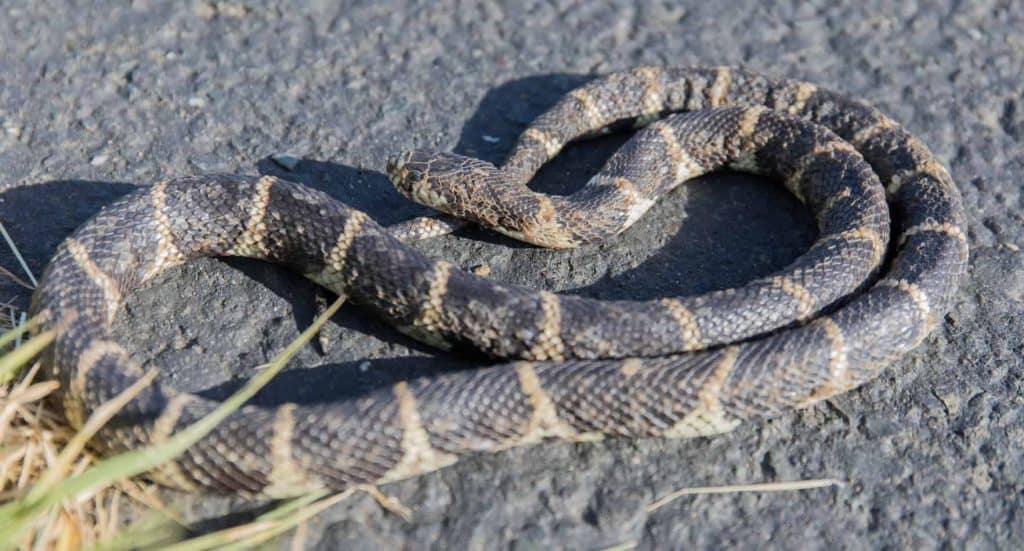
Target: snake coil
676, 367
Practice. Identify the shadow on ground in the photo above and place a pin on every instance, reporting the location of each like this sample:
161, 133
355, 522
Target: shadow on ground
39, 216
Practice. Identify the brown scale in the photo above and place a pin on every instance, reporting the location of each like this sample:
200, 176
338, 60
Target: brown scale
426, 424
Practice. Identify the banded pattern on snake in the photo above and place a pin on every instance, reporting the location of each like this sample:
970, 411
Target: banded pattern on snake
678, 367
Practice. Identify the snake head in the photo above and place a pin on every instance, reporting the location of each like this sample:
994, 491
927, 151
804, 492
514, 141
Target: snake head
442, 181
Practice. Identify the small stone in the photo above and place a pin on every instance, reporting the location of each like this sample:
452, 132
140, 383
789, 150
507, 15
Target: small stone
205, 10
949, 400
285, 161
232, 10
364, 366
879, 427
196, 101
99, 160
179, 342
482, 270
490, 139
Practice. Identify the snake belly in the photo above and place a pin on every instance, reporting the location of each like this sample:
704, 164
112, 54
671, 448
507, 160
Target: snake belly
587, 369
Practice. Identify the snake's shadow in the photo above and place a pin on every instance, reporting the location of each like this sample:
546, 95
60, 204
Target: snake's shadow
732, 227
735, 227
39, 216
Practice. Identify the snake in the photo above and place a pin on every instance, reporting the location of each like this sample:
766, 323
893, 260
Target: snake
885, 267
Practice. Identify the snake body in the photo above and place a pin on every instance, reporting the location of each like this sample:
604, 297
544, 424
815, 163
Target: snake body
677, 367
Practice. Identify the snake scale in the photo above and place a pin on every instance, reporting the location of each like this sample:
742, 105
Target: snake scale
583, 369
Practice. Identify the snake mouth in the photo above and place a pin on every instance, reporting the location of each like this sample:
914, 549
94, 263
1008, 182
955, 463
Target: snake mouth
402, 176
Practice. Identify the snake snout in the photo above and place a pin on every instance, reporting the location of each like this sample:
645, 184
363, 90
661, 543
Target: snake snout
411, 159
406, 169
416, 168
436, 179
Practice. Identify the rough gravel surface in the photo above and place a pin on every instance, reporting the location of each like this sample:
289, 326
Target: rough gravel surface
98, 98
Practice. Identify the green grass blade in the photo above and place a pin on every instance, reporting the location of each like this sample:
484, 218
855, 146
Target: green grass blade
293, 505
147, 534
18, 515
13, 335
99, 418
266, 526
17, 254
12, 362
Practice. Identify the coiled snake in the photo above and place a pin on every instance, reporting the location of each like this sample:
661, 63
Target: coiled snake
676, 367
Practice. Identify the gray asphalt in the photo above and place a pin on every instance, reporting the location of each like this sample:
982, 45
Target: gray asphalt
96, 100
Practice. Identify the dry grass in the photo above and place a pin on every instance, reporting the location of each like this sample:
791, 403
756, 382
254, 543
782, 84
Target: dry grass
33, 435
56, 494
